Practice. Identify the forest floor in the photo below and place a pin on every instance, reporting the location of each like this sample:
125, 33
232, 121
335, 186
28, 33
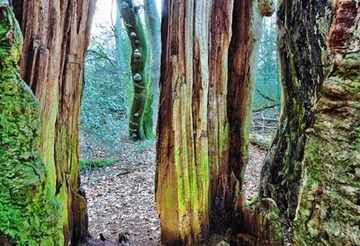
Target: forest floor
121, 198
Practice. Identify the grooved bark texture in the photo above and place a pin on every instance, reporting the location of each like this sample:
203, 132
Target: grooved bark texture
329, 201
218, 126
56, 35
198, 114
302, 26
29, 210
182, 185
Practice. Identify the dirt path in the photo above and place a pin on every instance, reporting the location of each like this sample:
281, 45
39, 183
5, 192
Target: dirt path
121, 197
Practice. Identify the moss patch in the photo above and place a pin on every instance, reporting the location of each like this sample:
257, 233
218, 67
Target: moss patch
29, 212
93, 164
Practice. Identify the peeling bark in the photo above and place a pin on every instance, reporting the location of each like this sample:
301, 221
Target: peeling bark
182, 184
56, 36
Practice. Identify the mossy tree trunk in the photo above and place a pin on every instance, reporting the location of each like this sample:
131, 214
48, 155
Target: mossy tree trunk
56, 36
30, 213
208, 50
152, 20
302, 28
140, 125
182, 186
329, 199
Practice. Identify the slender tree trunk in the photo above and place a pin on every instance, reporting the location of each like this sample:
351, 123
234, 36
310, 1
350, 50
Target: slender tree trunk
122, 46
30, 213
56, 36
140, 124
329, 200
302, 27
152, 19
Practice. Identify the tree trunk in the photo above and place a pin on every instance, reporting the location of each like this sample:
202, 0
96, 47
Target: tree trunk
182, 184
152, 19
122, 46
30, 213
302, 28
197, 75
329, 200
140, 124
227, 192
56, 36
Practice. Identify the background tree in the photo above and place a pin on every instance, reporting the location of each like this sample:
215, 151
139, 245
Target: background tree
152, 20
267, 90
30, 213
140, 124
107, 79
55, 40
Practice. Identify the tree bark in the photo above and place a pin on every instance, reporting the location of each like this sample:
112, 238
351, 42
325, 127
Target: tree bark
302, 28
182, 183
56, 36
329, 198
228, 177
152, 20
30, 213
140, 125
199, 119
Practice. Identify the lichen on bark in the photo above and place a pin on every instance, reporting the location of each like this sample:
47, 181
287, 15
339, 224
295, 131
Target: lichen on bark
29, 210
329, 200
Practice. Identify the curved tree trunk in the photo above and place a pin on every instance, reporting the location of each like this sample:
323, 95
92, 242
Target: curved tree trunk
30, 213
302, 28
140, 128
56, 36
329, 200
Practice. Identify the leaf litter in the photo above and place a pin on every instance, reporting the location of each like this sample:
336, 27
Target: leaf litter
121, 198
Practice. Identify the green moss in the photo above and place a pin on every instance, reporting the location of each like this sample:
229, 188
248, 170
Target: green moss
93, 164
29, 211
328, 208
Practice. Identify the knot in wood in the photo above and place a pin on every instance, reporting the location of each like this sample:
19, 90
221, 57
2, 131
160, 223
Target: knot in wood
137, 77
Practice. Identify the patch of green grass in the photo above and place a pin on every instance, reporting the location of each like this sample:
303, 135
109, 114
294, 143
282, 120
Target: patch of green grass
93, 164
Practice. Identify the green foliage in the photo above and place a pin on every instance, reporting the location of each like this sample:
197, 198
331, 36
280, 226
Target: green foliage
89, 165
267, 92
106, 101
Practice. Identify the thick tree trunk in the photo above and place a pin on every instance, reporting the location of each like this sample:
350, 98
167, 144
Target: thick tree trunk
182, 186
140, 125
56, 36
228, 178
30, 213
329, 200
302, 26
218, 126
193, 128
